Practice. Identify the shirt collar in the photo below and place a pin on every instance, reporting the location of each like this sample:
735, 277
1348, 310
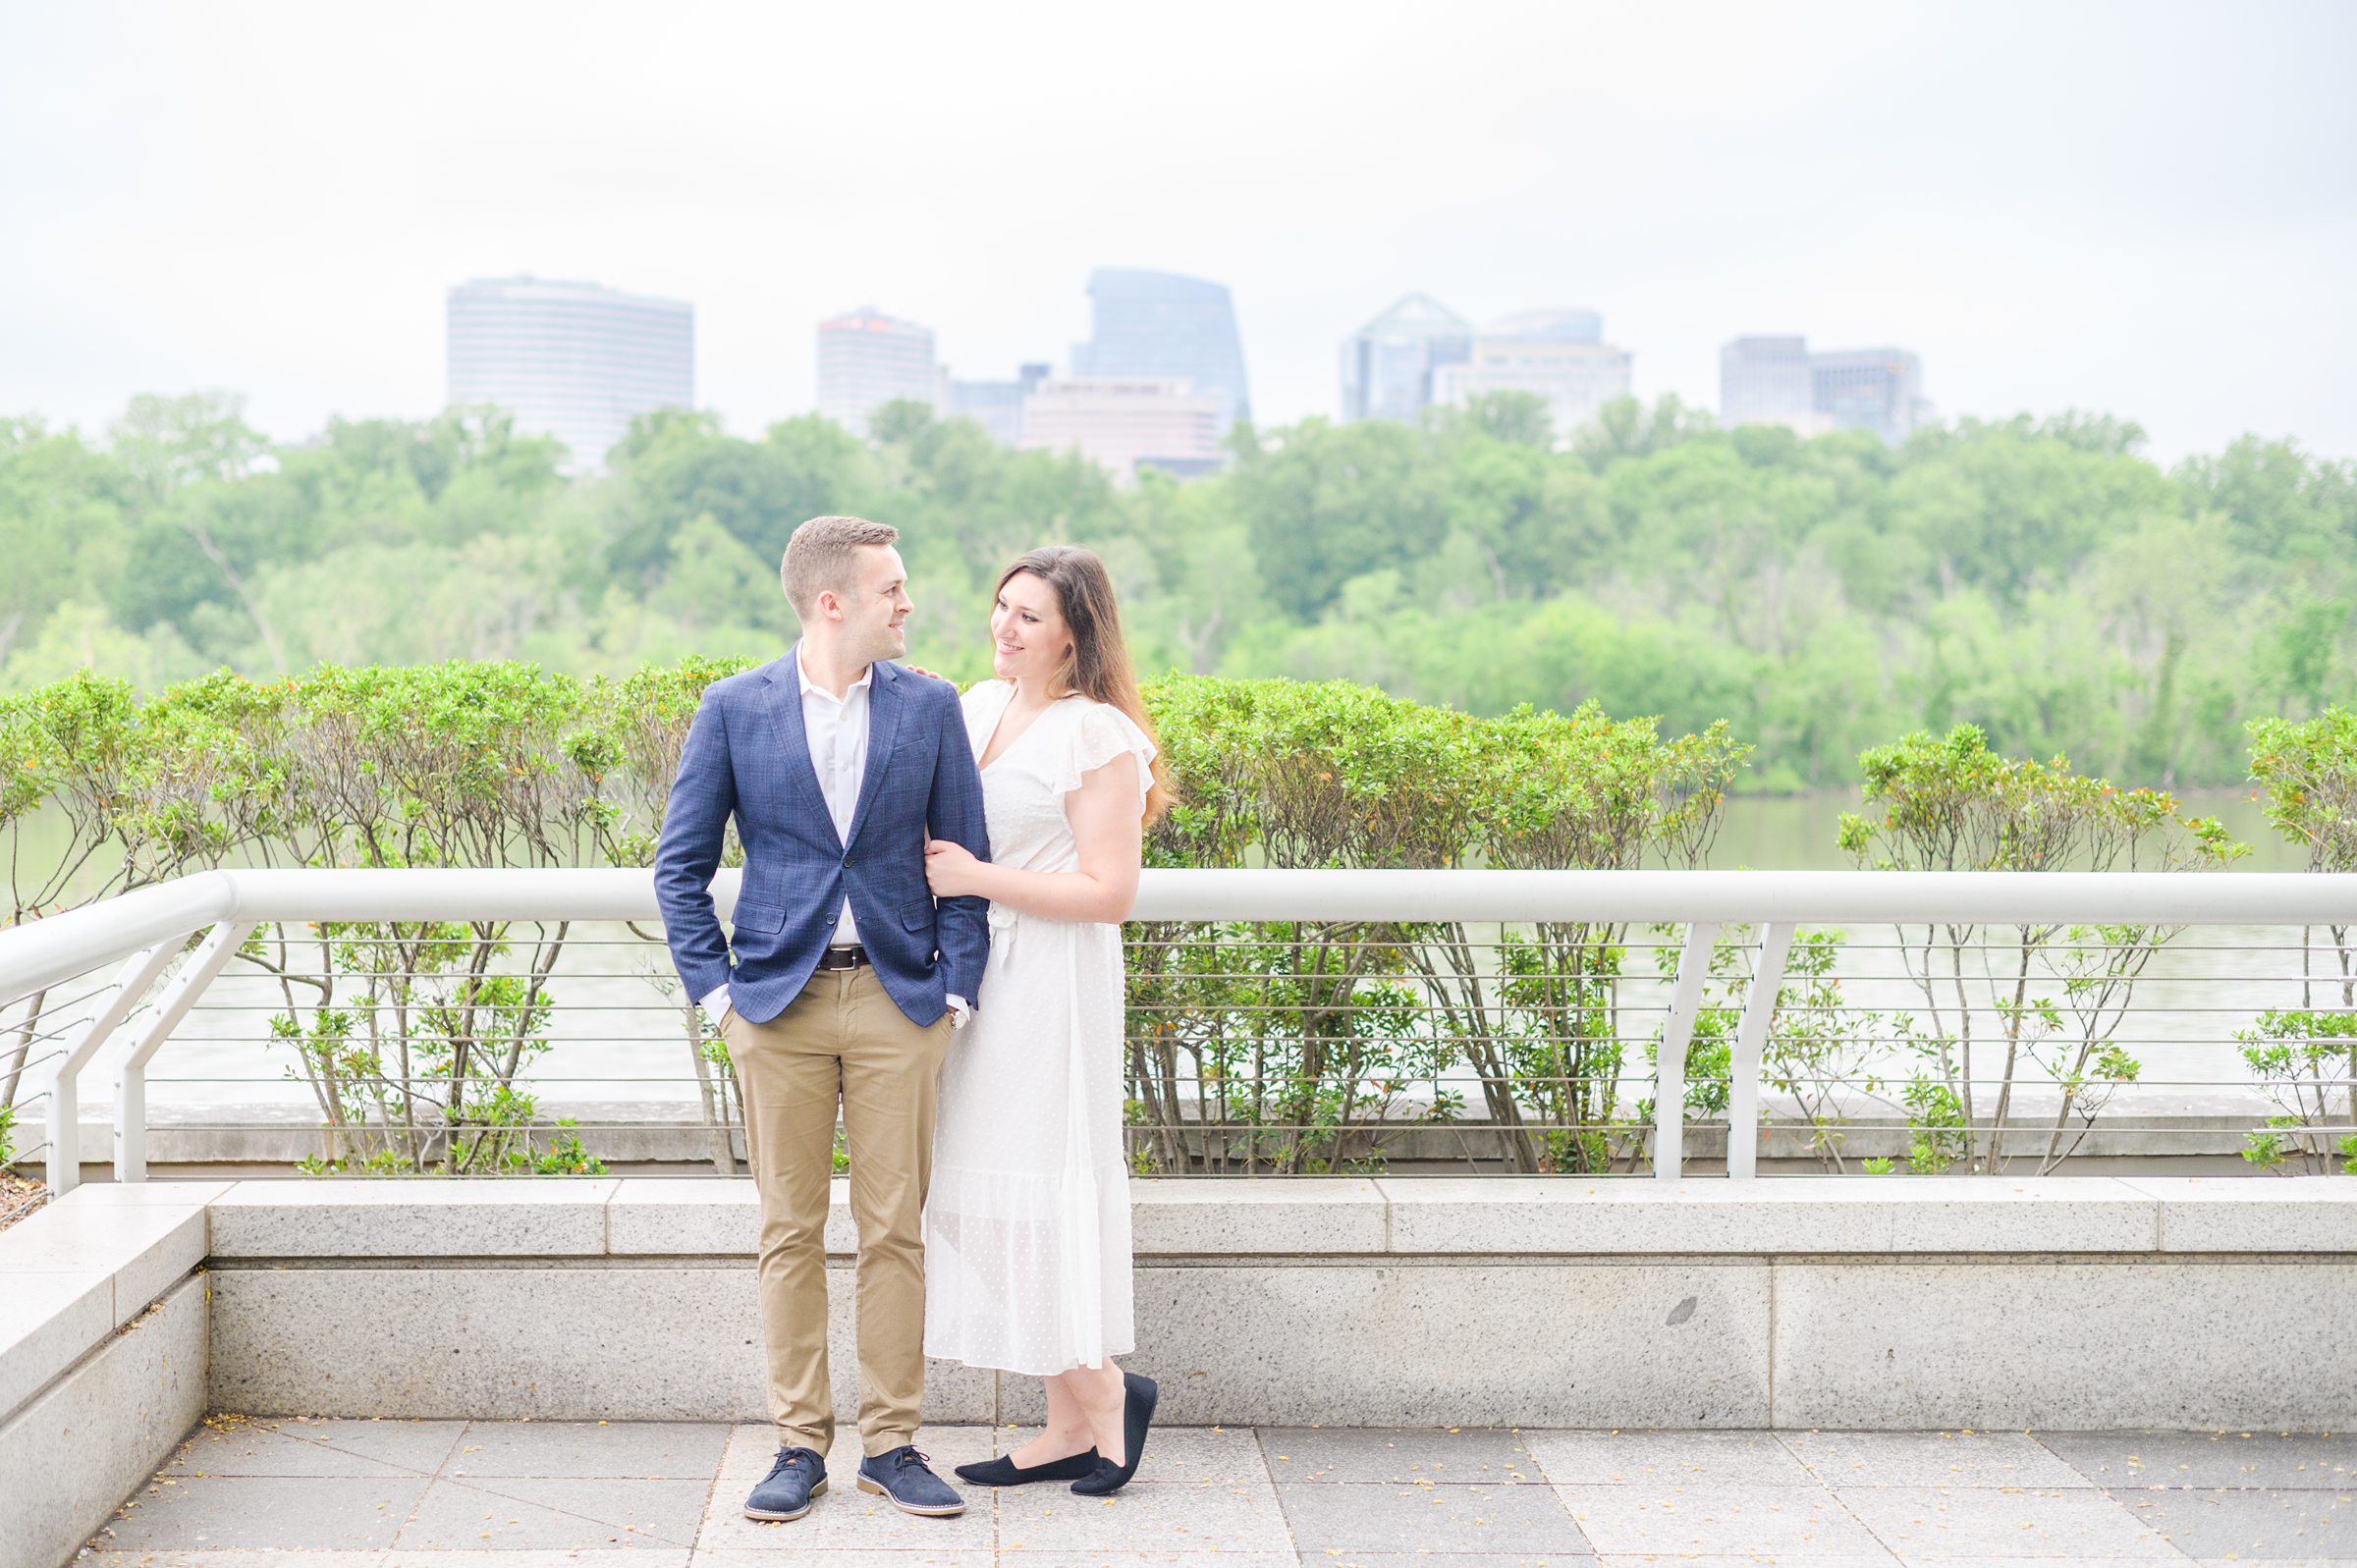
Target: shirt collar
810, 687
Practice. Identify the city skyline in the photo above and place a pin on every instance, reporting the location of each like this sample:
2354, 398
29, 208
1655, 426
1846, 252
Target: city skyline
2038, 206
522, 344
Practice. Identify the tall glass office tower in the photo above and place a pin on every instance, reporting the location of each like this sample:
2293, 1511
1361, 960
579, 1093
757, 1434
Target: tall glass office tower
573, 361
1388, 365
1161, 325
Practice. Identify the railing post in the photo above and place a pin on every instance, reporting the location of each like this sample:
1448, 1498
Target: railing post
65, 1136
1670, 1061
1751, 1040
131, 1089
141, 971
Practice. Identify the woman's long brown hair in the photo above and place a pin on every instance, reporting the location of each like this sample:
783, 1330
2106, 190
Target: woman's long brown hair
1097, 666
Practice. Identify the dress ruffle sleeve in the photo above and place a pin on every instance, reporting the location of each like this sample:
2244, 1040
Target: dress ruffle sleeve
1101, 733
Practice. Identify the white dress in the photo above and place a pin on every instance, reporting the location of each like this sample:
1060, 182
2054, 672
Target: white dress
1027, 1221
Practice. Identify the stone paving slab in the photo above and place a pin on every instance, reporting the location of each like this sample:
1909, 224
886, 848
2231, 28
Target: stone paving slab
567, 1513
313, 1513
235, 1447
1351, 1518
1444, 1559
645, 1450
1746, 1559
1785, 1522
233, 1559
1979, 1524
1485, 1454
1190, 1517
1930, 1459
1682, 1459
357, 1494
2250, 1522
2210, 1459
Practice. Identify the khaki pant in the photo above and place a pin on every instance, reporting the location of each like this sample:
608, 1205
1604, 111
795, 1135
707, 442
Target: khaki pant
842, 1041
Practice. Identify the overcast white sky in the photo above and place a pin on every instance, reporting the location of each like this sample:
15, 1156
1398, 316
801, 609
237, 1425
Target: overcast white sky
2146, 209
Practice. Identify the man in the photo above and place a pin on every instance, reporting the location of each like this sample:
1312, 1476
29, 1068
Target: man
847, 978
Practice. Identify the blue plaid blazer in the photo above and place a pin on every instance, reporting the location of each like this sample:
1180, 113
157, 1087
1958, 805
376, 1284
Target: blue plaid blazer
747, 755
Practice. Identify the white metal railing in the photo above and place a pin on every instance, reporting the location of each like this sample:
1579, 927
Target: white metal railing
147, 930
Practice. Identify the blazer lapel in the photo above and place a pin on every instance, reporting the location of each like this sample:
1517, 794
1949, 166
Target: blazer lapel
883, 724
786, 707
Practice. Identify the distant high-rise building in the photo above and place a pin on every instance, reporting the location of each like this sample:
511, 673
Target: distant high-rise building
1388, 365
1870, 389
997, 405
1779, 381
1765, 381
1156, 325
1557, 355
573, 360
1127, 423
867, 360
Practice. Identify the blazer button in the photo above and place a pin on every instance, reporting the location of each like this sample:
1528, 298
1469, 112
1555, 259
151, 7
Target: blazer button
846, 860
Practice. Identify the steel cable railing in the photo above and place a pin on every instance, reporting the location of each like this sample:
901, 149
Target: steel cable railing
1308, 1021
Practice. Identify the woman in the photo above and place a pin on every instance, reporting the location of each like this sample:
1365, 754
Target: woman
1027, 1223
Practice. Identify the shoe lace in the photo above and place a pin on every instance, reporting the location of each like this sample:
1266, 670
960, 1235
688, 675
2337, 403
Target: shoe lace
788, 1459
910, 1456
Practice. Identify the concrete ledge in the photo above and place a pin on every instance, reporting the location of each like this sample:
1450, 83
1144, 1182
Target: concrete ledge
660, 1216
520, 1217
1335, 1218
1853, 1214
47, 1321
672, 1343
1858, 1303
102, 1337
141, 1246
2228, 1214
1658, 1344
2067, 1346
96, 1432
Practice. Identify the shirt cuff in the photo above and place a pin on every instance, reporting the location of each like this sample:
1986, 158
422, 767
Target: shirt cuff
960, 1010
716, 1004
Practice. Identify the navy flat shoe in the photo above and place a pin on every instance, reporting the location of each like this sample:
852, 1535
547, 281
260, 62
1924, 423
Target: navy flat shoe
1137, 1415
1004, 1472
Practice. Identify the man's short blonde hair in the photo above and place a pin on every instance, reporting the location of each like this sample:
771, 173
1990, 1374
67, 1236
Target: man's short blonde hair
824, 555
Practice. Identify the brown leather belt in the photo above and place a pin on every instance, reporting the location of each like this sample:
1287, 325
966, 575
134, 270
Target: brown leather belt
852, 957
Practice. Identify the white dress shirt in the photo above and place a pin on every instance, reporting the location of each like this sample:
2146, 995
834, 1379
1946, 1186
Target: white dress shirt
836, 729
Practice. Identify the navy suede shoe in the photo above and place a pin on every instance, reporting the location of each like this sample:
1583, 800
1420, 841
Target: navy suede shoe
799, 1475
899, 1475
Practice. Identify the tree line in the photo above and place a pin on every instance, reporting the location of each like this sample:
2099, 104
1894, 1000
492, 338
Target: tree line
2037, 579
